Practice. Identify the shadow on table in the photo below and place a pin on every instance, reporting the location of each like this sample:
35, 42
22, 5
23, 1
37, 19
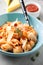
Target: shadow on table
17, 61
7, 60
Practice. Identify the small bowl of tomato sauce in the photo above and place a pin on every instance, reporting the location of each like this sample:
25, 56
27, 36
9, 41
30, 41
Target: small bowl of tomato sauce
33, 8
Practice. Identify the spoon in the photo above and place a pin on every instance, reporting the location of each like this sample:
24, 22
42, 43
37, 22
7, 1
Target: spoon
24, 11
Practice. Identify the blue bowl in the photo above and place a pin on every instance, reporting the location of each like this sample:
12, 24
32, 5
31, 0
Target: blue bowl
38, 26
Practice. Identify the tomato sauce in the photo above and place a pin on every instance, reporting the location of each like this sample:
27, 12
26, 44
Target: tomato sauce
15, 24
32, 8
0, 37
0, 28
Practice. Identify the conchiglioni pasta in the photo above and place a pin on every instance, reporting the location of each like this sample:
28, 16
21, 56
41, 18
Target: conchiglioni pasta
17, 37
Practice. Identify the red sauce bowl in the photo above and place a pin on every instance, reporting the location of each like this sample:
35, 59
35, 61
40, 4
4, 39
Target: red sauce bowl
33, 8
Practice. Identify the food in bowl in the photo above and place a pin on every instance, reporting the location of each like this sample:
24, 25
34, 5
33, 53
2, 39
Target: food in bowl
17, 37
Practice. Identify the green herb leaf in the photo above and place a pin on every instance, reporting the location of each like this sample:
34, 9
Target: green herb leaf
19, 32
37, 54
33, 58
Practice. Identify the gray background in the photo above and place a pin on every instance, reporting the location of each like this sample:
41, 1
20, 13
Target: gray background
5, 60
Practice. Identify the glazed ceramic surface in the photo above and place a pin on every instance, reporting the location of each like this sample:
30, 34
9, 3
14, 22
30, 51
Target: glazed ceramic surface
37, 25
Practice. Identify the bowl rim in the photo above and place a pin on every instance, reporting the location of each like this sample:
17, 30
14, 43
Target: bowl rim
24, 53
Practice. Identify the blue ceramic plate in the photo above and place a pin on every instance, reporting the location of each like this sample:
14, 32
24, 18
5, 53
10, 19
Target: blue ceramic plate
38, 26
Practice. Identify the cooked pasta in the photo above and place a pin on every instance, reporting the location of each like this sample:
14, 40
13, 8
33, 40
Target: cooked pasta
17, 37
17, 49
